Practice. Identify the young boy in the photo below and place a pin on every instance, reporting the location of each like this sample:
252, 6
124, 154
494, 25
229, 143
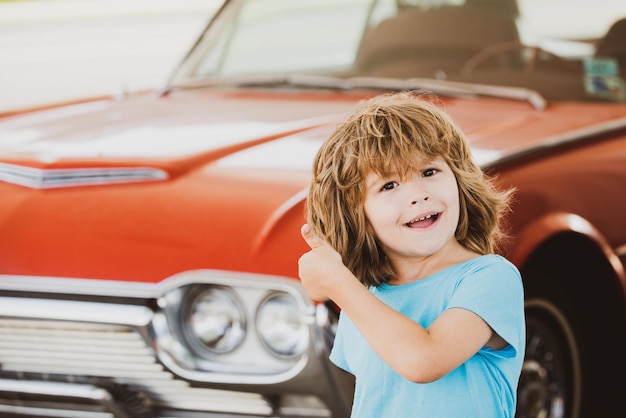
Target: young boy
402, 226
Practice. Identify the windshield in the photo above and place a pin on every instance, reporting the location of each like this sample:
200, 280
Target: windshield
562, 49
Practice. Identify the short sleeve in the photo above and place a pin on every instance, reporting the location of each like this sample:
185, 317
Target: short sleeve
493, 290
337, 353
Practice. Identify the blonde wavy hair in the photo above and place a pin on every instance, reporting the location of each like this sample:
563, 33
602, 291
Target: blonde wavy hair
395, 131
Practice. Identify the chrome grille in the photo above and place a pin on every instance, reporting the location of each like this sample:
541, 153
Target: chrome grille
48, 350
75, 348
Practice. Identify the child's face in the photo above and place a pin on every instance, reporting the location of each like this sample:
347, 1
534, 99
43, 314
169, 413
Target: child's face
416, 216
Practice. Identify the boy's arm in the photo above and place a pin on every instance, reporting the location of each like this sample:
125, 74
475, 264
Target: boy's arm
418, 354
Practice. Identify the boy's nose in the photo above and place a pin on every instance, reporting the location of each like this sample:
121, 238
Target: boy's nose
414, 202
417, 191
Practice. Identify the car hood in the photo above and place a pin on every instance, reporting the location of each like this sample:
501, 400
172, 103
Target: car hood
170, 132
143, 188
174, 134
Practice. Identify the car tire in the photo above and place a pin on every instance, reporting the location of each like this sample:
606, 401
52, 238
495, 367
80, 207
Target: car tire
551, 381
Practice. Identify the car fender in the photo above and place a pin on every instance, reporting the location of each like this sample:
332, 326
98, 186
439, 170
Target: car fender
540, 230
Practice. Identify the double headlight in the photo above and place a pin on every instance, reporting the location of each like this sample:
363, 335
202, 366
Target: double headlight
234, 324
217, 322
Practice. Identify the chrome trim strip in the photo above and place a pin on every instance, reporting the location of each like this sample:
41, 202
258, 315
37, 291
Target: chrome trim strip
39, 178
127, 289
78, 286
68, 310
54, 389
62, 390
559, 140
30, 412
534, 98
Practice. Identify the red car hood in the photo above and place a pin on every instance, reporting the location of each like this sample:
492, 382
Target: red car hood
172, 129
215, 166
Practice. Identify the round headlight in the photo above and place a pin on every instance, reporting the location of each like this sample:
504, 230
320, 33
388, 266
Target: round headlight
281, 325
216, 320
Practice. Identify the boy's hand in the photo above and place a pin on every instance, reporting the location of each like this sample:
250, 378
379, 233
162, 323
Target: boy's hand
321, 268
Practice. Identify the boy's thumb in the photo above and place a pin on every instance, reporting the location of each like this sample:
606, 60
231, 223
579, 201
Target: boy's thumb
311, 237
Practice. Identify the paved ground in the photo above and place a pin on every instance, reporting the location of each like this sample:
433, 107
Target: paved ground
56, 50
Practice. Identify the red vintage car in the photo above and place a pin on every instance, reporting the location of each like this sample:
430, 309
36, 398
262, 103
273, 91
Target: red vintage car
149, 245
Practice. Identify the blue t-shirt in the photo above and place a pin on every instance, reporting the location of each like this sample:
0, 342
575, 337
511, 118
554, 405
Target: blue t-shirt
484, 386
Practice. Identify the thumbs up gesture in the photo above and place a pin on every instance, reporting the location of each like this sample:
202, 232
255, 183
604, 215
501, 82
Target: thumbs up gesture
321, 270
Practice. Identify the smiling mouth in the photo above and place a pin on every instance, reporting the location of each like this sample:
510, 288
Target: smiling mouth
423, 221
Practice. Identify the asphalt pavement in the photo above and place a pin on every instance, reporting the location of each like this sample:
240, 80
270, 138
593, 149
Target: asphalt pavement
62, 50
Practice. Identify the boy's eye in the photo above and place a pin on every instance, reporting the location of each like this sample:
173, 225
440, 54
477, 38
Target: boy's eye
390, 185
429, 172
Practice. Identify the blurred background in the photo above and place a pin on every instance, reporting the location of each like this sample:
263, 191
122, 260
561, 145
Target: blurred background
63, 50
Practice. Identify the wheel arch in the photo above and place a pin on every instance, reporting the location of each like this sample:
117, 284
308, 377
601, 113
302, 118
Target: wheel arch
567, 243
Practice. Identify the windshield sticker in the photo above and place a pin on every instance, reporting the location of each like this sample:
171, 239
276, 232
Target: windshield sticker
602, 79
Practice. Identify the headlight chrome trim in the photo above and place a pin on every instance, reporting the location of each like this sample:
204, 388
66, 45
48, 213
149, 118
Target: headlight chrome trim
250, 360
